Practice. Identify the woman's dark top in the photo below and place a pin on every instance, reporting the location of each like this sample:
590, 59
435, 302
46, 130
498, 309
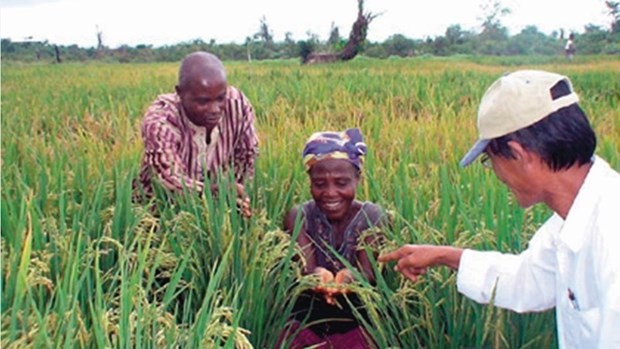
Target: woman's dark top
312, 308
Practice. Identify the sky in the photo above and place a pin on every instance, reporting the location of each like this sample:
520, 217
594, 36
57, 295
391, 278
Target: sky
159, 23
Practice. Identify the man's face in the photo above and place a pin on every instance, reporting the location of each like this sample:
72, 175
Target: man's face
332, 184
523, 181
204, 101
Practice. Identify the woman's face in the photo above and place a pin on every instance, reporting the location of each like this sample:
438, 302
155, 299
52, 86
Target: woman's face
333, 183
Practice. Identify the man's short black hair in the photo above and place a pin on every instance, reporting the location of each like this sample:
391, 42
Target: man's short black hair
562, 139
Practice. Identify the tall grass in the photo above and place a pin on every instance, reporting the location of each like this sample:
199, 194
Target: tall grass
83, 266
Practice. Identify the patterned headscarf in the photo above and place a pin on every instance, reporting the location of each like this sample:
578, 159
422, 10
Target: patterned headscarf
348, 145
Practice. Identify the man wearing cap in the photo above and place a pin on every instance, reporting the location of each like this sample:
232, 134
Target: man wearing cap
539, 143
203, 130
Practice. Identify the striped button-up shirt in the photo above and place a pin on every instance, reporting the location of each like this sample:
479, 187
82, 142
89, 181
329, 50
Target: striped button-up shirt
176, 152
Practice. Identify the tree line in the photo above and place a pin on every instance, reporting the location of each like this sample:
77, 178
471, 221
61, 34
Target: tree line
493, 39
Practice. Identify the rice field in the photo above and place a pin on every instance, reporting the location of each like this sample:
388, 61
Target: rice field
84, 267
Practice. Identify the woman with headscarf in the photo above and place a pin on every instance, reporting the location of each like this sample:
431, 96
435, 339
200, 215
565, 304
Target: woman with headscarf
330, 226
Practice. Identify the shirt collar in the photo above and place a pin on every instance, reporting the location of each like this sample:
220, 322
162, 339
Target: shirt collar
574, 230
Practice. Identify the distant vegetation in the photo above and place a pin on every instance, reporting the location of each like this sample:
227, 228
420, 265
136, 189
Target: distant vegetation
84, 267
493, 39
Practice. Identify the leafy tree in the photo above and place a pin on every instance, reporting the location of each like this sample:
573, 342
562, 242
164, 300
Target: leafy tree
399, 45
492, 28
264, 33
494, 36
441, 46
592, 41
454, 35
334, 35
459, 41
530, 41
305, 49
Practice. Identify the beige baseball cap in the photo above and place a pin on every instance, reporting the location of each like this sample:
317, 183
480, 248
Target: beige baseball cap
515, 101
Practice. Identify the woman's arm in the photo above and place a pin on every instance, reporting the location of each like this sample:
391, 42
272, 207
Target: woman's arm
293, 219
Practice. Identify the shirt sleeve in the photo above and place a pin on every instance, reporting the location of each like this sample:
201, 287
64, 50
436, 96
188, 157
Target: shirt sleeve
524, 282
161, 141
246, 149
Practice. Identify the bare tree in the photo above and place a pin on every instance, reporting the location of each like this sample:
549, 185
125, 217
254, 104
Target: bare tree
493, 11
100, 46
99, 39
354, 45
57, 54
264, 33
492, 27
357, 37
248, 43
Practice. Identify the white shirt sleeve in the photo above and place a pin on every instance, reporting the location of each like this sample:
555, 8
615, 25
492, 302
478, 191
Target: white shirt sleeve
524, 282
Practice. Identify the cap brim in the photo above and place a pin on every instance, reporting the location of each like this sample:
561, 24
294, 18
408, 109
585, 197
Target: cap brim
474, 152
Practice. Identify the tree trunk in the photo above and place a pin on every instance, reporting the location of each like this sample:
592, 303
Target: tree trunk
57, 52
358, 33
354, 44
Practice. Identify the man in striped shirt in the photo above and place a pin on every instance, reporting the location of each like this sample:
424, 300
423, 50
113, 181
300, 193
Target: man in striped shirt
205, 129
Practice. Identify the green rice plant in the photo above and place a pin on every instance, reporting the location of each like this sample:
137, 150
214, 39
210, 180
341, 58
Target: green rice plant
85, 266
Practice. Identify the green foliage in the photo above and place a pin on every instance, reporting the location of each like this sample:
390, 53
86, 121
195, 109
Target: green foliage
532, 42
399, 45
493, 40
83, 266
305, 49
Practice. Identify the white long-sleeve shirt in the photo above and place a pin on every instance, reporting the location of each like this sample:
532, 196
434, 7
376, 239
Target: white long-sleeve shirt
572, 265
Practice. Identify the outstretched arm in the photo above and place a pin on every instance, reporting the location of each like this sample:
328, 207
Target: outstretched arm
414, 260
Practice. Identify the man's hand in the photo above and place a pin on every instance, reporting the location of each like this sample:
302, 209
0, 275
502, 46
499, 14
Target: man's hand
413, 261
243, 202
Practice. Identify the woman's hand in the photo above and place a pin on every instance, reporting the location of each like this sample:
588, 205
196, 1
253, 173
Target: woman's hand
331, 286
344, 276
325, 278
